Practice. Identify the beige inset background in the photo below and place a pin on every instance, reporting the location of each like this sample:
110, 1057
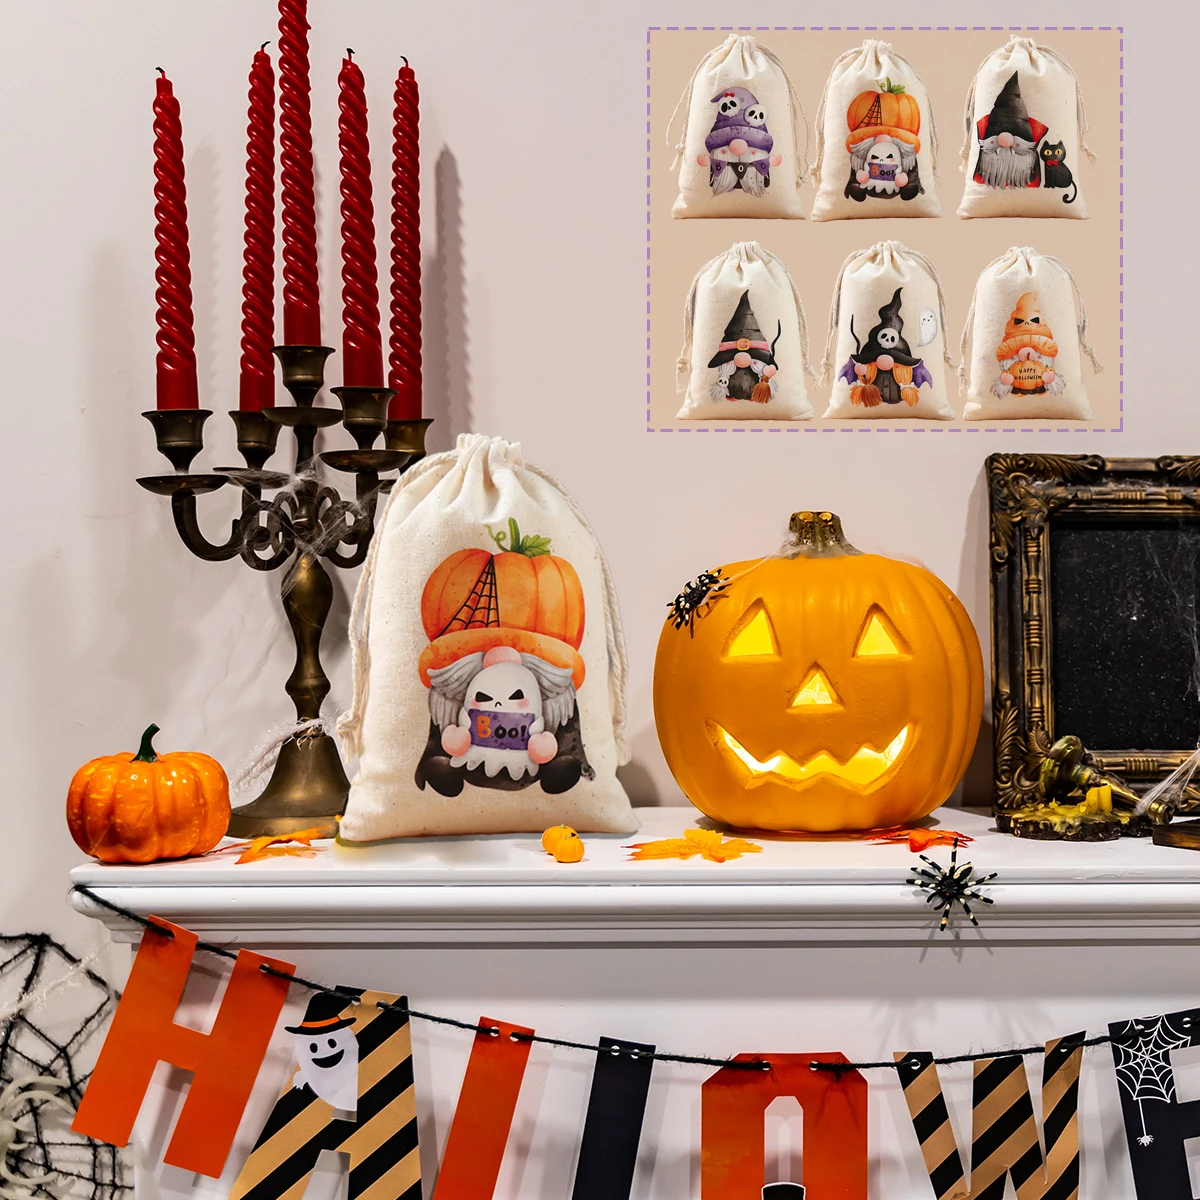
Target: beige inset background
813, 252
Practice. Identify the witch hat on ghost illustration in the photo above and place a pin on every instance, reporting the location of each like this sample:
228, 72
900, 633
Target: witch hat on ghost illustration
1008, 138
327, 1051
882, 370
744, 348
324, 1014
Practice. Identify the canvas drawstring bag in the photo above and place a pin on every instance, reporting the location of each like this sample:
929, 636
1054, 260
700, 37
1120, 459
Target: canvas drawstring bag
738, 153
877, 144
1023, 360
745, 341
1024, 127
489, 663
887, 337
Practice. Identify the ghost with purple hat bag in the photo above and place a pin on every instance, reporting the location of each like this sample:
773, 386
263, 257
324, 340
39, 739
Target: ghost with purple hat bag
1024, 127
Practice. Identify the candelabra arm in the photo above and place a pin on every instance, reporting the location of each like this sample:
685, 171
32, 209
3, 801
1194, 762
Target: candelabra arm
183, 509
351, 523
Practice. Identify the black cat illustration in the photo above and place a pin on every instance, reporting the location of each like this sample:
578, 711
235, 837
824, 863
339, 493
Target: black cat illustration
1057, 173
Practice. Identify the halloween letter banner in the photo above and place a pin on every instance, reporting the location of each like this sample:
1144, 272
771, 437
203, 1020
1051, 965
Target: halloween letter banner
351, 1090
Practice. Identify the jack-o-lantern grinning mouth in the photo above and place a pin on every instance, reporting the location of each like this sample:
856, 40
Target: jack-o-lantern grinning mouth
863, 768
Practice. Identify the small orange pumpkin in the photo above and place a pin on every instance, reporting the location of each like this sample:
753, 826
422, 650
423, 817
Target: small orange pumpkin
568, 848
554, 835
140, 808
821, 689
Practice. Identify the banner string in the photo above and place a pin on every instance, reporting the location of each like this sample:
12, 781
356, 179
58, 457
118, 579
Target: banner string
755, 1064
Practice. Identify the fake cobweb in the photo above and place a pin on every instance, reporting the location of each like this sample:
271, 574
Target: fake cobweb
1143, 1063
53, 1009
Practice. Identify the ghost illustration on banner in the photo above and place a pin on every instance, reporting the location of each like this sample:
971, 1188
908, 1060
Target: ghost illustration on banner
739, 146
883, 370
327, 1052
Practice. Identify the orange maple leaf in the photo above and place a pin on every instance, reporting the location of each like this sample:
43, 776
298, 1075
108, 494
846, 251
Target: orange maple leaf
280, 846
921, 839
707, 844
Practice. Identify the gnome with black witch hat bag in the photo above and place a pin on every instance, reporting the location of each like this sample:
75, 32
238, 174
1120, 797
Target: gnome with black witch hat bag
745, 363
883, 370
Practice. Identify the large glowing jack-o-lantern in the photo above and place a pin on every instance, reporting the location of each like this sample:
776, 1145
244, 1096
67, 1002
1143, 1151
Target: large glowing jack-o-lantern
821, 689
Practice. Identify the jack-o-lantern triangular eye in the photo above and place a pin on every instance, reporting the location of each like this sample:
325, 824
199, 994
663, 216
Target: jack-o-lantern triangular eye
754, 636
879, 638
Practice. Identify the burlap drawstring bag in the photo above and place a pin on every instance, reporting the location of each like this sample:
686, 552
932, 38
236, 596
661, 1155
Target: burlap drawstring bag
888, 317
745, 341
1018, 367
877, 144
489, 663
1024, 126
738, 154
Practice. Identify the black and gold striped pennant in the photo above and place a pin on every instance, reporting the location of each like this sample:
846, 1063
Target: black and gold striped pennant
382, 1139
1004, 1134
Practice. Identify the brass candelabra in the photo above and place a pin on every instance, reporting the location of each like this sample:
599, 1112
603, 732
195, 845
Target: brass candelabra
305, 522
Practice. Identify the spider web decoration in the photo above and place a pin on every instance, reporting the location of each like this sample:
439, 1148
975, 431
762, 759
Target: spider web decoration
1143, 1063
41, 1076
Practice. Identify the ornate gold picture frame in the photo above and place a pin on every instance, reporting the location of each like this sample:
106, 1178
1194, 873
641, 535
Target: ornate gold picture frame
1034, 500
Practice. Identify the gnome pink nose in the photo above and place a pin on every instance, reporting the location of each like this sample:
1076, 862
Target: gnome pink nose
1004, 139
501, 654
885, 362
738, 146
741, 359
769, 371
1024, 354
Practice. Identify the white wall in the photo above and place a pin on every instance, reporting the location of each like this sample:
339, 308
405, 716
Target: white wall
534, 203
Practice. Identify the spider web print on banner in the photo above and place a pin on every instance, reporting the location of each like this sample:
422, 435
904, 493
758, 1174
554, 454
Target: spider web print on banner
1144, 1066
52, 1006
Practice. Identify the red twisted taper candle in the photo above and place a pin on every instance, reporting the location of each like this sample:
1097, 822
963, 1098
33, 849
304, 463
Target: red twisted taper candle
301, 298
404, 342
362, 343
176, 361
257, 381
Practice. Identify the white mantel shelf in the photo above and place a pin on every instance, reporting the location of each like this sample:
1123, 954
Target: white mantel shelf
505, 891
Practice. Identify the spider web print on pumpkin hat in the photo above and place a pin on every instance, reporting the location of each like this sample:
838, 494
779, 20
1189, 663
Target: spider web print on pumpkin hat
53, 1007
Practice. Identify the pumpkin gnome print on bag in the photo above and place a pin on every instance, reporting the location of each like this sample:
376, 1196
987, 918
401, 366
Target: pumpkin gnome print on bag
883, 143
503, 667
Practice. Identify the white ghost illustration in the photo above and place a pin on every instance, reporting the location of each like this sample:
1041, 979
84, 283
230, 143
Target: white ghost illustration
928, 326
327, 1052
493, 710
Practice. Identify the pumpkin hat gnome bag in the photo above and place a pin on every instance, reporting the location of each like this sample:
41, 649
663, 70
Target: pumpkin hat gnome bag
745, 341
1023, 361
877, 145
891, 361
738, 152
1024, 128
489, 663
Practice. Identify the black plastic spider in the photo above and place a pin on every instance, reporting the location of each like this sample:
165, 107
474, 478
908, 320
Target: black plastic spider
951, 885
697, 594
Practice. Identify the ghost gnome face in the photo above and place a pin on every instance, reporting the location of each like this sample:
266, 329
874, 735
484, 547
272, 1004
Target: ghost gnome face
505, 687
327, 1052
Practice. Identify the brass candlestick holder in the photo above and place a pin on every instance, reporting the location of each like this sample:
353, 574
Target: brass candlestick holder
305, 522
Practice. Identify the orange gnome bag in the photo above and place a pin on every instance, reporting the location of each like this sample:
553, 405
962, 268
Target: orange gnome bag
1026, 337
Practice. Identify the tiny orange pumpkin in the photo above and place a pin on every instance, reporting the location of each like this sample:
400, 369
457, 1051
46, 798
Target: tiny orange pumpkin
568, 848
554, 835
141, 807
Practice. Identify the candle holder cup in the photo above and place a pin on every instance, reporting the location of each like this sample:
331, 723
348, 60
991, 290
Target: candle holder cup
408, 433
306, 524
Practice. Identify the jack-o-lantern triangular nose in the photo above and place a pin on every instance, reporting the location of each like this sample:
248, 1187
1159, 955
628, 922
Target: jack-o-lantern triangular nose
816, 692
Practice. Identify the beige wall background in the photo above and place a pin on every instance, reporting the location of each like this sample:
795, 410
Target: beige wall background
534, 193
814, 251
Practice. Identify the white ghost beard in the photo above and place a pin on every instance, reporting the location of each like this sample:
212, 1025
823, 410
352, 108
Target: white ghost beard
724, 181
753, 182
1007, 166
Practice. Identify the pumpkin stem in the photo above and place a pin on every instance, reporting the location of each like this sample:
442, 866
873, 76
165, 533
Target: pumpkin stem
530, 545
817, 535
146, 749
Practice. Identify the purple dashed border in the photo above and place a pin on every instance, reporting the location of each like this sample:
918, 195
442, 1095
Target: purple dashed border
879, 426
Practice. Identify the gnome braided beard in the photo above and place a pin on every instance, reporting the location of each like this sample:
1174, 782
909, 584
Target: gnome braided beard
738, 147
882, 370
745, 364
1008, 141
